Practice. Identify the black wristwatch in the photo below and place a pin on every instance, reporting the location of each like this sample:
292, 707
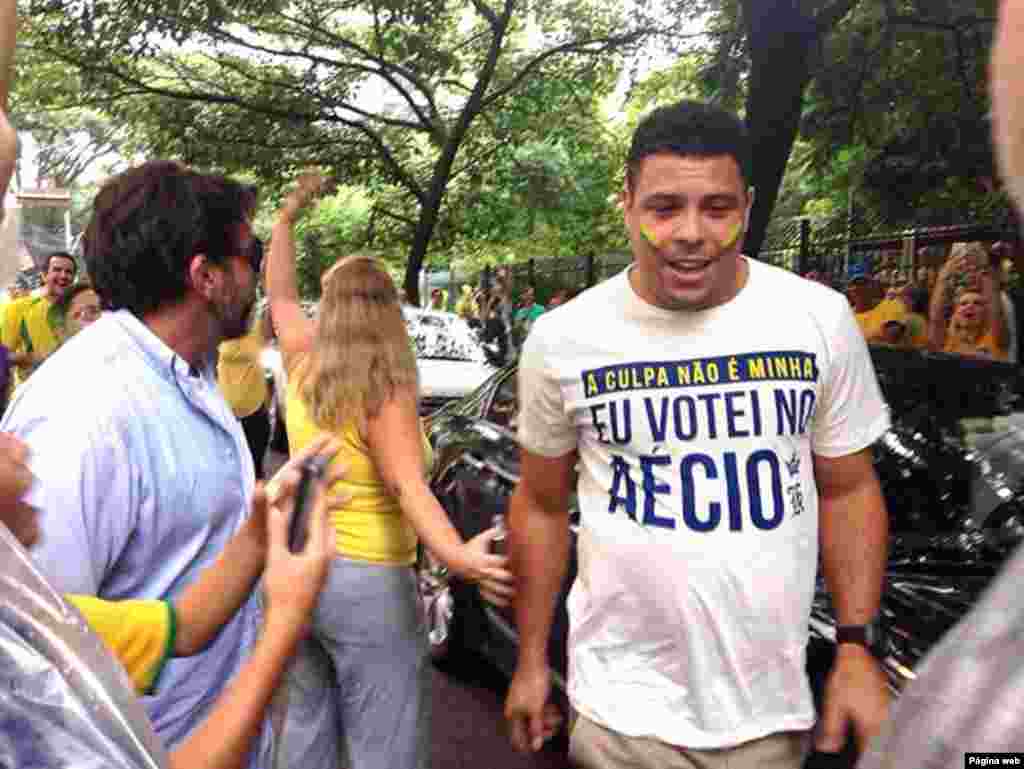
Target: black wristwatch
869, 636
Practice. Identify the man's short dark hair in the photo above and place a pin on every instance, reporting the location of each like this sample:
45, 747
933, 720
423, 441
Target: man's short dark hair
61, 255
148, 223
690, 129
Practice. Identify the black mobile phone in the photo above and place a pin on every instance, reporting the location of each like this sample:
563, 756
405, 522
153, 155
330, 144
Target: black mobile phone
311, 471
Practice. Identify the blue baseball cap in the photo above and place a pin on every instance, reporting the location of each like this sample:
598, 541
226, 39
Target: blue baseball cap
857, 271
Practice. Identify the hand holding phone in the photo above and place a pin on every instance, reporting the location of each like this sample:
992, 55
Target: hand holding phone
311, 472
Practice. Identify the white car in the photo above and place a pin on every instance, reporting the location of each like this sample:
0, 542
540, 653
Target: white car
451, 359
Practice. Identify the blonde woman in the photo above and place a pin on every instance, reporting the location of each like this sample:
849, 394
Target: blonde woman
970, 331
352, 372
967, 315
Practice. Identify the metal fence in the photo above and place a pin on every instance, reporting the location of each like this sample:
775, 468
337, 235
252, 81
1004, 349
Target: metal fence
827, 245
830, 244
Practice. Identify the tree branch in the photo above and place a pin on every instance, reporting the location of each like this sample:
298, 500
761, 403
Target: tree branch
487, 12
385, 70
397, 217
832, 14
917, 21
344, 105
389, 160
614, 41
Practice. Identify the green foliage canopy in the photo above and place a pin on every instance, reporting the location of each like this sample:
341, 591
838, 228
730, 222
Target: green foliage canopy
393, 96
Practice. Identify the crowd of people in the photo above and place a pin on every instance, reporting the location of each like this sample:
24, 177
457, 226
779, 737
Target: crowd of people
134, 512
502, 317
963, 307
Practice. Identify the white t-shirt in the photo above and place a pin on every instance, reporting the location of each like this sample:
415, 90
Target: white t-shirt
698, 542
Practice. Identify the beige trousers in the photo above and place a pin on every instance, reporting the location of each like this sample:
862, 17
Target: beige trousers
591, 746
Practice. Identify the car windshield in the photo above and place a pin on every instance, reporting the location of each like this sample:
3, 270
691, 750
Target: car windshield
442, 336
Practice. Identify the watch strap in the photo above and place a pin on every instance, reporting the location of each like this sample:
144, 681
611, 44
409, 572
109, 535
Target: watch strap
853, 634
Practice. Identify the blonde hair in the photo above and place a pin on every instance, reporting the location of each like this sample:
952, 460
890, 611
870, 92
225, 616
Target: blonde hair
362, 353
974, 249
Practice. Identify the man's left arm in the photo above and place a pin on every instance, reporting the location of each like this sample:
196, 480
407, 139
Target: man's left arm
853, 525
854, 538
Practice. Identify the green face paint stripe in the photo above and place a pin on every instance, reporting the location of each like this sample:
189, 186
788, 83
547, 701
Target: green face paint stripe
26, 338
648, 235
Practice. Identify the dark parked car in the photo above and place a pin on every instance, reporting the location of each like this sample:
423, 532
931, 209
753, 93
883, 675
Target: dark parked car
951, 468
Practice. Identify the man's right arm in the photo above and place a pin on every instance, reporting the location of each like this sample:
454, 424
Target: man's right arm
538, 530
539, 547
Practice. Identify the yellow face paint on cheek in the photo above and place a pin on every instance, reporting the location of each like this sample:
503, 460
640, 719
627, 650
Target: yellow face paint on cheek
734, 235
648, 235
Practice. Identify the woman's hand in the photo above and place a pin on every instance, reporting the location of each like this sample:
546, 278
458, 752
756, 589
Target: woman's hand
488, 570
307, 187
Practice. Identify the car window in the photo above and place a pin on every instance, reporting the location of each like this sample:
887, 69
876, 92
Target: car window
504, 406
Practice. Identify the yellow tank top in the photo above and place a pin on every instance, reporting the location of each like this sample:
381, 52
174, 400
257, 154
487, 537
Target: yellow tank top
371, 526
240, 374
986, 345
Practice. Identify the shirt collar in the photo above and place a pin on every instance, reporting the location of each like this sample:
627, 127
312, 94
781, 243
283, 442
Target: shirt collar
158, 354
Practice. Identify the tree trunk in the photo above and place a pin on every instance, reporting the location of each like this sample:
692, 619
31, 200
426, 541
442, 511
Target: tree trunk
429, 212
781, 38
431, 208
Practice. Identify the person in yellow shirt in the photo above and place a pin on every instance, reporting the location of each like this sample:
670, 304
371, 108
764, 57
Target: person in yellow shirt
966, 314
143, 634
33, 326
881, 320
970, 330
915, 299
352, 372
244, 385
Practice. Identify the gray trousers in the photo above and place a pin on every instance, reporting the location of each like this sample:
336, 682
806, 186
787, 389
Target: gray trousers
358, 693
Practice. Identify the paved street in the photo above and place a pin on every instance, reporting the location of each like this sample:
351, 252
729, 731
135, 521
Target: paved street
469, 728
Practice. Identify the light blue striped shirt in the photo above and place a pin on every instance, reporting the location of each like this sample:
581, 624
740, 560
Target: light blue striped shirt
143, 475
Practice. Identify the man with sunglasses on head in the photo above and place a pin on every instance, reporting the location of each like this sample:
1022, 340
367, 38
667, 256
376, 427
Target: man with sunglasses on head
145, 484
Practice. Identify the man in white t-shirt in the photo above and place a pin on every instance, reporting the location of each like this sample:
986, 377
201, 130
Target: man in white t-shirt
721, 412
